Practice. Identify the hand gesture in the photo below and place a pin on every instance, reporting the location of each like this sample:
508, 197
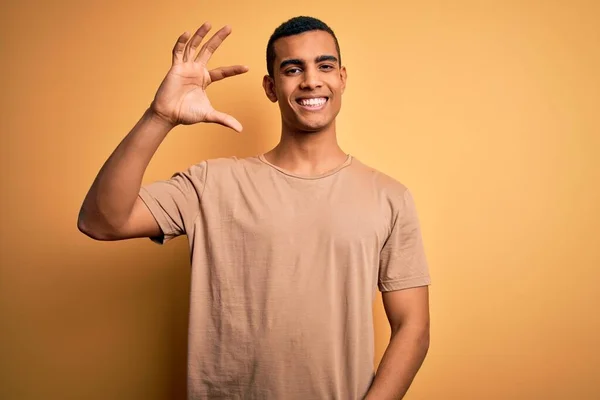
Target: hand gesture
181, 97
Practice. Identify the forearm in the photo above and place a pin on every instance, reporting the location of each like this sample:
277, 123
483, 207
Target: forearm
113, 193
400, 363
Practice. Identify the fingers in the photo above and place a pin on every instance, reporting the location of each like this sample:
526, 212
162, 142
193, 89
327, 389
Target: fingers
211, 46
225, 72
185, 48
190, 49
180, 47
224, 119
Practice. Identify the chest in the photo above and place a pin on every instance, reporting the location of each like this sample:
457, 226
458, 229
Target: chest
344, 216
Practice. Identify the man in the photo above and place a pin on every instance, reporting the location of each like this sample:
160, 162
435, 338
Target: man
287, 247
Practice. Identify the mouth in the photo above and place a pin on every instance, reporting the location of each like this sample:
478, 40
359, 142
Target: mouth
312, 103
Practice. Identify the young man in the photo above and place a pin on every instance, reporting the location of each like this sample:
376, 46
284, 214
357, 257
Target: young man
288, 247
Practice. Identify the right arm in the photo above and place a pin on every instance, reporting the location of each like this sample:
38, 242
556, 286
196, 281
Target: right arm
112, 209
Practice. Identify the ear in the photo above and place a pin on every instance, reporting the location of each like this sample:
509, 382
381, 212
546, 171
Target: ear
343, 77
269, 86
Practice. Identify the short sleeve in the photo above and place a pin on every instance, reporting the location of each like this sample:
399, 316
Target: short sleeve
175, 202
403, 263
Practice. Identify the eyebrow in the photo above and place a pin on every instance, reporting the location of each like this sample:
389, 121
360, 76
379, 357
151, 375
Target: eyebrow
297, 61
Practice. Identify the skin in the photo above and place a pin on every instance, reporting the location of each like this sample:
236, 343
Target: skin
305, 66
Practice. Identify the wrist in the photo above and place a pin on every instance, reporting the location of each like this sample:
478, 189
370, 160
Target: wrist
155, 118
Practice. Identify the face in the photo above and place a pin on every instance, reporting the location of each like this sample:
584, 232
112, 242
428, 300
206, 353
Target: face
307, 81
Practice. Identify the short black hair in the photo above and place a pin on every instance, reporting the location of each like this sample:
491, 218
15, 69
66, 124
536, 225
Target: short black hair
295, 26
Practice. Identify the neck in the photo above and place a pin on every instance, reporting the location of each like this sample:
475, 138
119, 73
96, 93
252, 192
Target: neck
307, 153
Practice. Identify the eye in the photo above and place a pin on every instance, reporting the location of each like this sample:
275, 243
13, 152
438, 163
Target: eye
327, 67
292, 71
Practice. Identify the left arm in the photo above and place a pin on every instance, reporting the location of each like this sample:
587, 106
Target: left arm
408, 314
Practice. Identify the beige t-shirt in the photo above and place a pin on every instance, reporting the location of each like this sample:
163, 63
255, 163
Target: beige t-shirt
285, 270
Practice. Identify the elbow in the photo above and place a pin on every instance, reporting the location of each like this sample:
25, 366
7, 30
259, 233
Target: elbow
424, 336
88, 229
424, 341
418, 334
420, 340
84, 228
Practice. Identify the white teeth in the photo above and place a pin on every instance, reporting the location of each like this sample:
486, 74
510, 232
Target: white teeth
313, 102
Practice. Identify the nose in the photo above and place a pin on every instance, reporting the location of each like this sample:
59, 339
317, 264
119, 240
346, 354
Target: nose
311, 79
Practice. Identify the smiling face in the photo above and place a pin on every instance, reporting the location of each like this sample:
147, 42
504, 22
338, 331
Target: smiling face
307, 81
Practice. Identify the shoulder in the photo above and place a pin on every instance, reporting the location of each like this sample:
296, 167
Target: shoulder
383, 182
230, 165
220, 165
396, 196
225, 171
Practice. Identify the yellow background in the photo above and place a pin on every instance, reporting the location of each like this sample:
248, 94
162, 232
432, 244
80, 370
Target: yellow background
487, 110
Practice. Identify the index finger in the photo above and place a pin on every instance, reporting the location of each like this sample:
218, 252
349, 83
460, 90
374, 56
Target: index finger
211, 46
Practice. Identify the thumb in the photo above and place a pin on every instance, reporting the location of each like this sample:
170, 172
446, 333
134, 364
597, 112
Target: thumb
227, 120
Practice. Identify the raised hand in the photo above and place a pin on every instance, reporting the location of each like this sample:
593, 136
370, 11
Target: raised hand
181, 97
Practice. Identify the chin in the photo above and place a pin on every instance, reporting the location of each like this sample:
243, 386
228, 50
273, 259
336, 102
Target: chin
312, 127
313, 123
308, 124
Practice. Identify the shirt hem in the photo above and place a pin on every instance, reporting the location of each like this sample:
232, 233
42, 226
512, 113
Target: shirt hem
155, 210
404, 283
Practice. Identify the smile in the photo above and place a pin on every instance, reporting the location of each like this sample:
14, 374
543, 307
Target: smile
315, 103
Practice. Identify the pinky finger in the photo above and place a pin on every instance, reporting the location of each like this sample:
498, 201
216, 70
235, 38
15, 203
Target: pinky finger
224, 119
179, 47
